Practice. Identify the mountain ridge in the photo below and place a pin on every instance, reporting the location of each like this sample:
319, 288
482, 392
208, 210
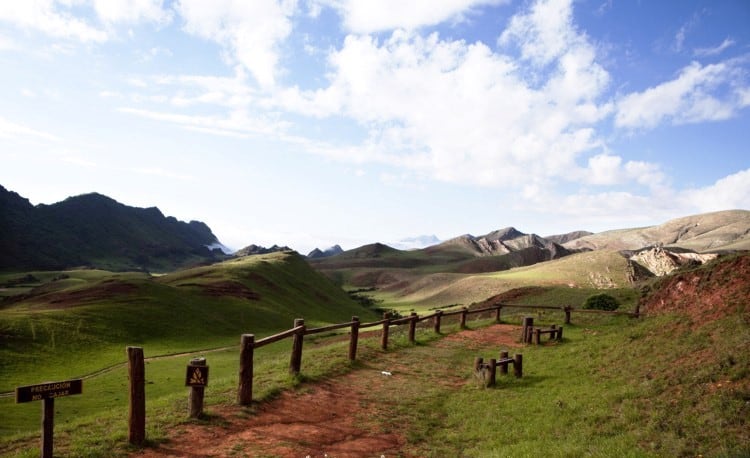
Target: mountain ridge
93, 230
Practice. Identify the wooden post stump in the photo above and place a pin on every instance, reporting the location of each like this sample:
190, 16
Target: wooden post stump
492, 368
354, 338
137, 410
497, 313
503, 366
247, 349
464, 312
438, 316
537, 336
559, 333
518, 365
528, 325
567, 314
295, 362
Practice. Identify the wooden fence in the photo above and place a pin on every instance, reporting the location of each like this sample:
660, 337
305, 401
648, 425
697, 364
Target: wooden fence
248, 344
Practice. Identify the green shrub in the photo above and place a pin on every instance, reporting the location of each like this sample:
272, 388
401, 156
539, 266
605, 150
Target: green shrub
601, 302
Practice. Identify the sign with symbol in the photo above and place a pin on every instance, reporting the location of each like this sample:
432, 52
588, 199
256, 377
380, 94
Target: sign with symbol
196, 376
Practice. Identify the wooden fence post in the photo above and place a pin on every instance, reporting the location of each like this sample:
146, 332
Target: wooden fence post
518, 365
538, 336
493, 368
504, 366
559, 333
195, 401
412, 327
464, 312
497, 313
137, 411
247, 348
354, 338
295, 362
438, 315
384, 335
567, 309
528, 325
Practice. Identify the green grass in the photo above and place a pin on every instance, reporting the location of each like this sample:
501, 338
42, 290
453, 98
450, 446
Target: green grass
612, 388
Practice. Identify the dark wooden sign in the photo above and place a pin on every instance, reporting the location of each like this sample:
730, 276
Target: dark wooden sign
49, 390
196, 376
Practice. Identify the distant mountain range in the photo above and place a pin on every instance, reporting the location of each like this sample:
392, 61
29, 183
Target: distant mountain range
93, 230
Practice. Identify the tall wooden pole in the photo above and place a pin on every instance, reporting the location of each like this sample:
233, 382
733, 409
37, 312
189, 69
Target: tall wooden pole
247, 348
137, 411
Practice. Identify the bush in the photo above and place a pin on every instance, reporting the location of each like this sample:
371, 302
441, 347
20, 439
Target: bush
601, 302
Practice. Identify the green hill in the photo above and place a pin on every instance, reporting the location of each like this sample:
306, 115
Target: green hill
67, 324
95, 231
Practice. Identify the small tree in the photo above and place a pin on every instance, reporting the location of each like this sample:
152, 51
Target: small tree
601, 302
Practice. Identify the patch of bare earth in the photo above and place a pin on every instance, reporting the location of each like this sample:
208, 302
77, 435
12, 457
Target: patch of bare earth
341, 417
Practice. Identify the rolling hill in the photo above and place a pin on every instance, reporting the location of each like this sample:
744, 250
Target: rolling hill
95, 314
708, 232
93, 230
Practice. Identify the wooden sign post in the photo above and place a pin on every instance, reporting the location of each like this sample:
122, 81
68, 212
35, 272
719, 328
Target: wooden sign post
48, 392
196, 378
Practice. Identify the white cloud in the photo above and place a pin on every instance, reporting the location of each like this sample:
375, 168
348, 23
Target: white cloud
51, 18
486, 123
731, 192
545, 33
364, 17
132, 11
706, 52
237, 124
12, 130
251, 32
690, 98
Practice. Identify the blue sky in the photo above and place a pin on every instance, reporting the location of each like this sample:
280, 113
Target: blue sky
313, 122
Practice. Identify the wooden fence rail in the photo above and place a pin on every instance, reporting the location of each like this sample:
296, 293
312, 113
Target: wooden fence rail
248, 343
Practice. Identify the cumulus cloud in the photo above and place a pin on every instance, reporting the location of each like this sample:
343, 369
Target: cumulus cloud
375, 16
250, 32
487, 123
692, 97
729, 192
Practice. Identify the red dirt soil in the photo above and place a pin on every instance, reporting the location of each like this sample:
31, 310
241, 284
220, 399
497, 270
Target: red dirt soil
705, 294
338, 419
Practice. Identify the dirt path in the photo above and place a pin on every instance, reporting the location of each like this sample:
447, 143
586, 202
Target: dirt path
337, 418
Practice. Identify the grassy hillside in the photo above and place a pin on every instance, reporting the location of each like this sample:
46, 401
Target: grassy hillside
82, 323
407, 289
